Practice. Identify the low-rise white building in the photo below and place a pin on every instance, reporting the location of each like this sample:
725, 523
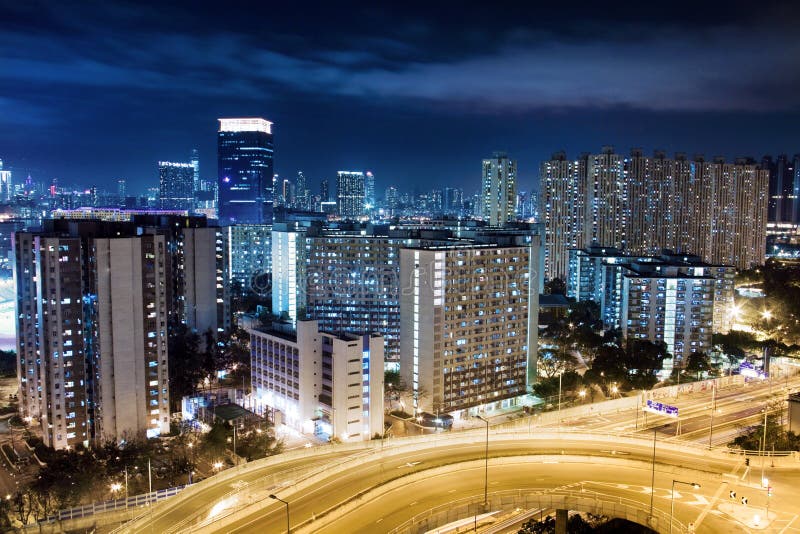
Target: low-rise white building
321, 383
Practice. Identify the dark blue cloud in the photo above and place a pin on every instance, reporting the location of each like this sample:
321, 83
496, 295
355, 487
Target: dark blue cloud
353, 85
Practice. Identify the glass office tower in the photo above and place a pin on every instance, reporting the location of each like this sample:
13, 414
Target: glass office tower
245, 152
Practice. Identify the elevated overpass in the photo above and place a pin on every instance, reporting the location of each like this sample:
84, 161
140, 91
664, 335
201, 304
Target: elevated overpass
379, 487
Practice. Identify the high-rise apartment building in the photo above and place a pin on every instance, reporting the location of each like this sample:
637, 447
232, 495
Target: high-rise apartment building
352, 285
640, 204
675, 298
350, 194
563, 198
288, 270
468, 330
329, 385
92, 332
196, 266
245, 174
249, 251
669, 304
175, 186
499, 189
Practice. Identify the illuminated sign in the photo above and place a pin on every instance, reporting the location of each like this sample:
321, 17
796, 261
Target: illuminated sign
660, 408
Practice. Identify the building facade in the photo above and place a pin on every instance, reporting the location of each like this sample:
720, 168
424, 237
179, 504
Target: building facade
468, 333
784, 188
351, 194
352, 286
323, 384
499, 189
6, 186
288, 250
245, 171
249, 251
92, 310
641, 205
669, 304
175, 186
674, 298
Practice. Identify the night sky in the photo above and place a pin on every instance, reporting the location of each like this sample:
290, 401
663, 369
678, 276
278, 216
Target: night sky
91, 92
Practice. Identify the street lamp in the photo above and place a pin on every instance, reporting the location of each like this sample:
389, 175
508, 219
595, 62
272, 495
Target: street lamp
582, 394
672, 506
559, 398
713, 408
653, 479
273, 496
115, 487
764, 444
486, 467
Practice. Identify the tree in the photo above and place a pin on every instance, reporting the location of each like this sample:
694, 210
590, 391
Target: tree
215, 441
185, 365
23, 505
6, 515
554, 362
610, 365
391, 380
777, 438
644, 359
556, 286
697, 362
585, 313
547, 388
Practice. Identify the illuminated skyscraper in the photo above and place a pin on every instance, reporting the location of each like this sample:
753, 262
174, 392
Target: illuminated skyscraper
196, 167
6, 190
350, 194
784, 188
302, 195
245, 186
121, 192
391, 200
176, 186
499, 189
369, 189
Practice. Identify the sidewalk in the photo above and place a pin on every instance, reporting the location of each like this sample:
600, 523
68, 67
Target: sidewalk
751, 516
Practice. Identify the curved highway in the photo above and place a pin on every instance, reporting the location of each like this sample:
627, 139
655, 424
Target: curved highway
548, 466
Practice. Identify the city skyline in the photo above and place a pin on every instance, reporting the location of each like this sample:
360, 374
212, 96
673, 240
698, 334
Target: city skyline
413, 83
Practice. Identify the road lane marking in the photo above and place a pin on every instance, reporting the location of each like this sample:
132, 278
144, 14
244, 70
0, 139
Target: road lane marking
710, 505
700, 500
788, 525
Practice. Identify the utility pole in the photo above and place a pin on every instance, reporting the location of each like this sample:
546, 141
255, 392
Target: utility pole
713, 409
764, 444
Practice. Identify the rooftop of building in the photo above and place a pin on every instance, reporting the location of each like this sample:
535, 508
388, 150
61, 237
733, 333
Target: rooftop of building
553, 301
666, 258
